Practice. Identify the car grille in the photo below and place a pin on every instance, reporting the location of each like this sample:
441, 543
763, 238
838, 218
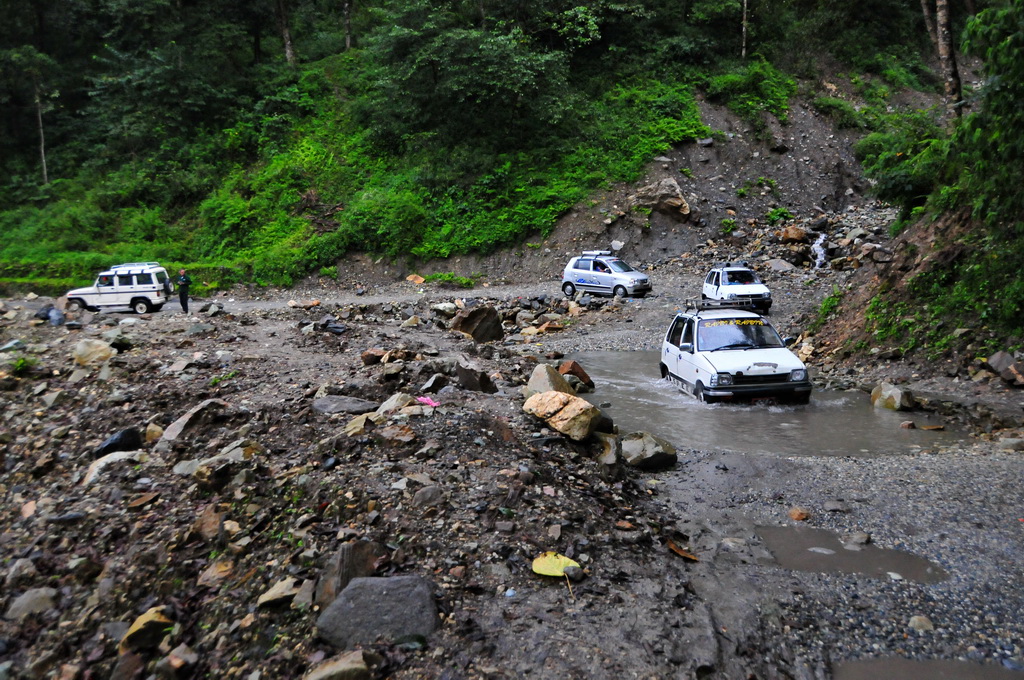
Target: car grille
760, 379
750, 296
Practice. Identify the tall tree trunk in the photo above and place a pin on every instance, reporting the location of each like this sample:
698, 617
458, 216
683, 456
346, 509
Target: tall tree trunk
42, 137
929, 22
947, 56
346, 10
286, 34
743, 52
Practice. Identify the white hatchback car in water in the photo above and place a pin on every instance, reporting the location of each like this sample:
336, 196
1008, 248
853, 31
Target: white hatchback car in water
139, 286
736, 281
717, 353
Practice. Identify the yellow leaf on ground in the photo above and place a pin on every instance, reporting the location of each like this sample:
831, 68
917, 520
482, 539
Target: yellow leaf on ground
553, 564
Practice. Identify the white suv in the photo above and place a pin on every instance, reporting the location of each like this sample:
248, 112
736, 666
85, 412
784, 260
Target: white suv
598, 271
139, 286
737, 281
719, 353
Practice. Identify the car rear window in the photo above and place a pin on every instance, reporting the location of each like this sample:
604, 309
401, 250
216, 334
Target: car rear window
144, 279
585, 265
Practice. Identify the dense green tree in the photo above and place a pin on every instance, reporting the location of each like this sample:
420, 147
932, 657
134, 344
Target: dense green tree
992, 140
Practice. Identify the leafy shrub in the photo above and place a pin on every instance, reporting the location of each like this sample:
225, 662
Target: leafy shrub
776, 215
829, 305
753, 90
906, 159
448, 277
842, 112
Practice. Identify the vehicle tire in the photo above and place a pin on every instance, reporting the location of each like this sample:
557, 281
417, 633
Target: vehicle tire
701, 396
703, 296
141, 306
664, 371
568, 289
619, 292
75, 305
698, 393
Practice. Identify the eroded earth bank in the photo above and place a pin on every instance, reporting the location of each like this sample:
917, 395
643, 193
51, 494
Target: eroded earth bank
336, 482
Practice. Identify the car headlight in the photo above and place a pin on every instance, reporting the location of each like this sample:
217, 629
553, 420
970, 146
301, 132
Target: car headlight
798, 375
768, 294
721, 379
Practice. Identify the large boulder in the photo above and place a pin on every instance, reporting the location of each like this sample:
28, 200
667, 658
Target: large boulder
90, 351
665, 196
483, 324
887, 395
646, 451
574, 417
372, 608
546, 379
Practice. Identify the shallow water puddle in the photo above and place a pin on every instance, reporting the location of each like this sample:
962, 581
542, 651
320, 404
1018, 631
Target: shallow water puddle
631, 391
931, 669
820, 550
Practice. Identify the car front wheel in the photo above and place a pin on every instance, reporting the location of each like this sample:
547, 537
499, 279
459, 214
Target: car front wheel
619, 292
141, 306
568, 289
698, 392
75, 305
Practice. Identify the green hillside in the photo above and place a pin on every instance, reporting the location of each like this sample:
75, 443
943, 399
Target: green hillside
262, 143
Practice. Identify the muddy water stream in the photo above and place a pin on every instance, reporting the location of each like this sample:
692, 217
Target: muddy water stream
631, 391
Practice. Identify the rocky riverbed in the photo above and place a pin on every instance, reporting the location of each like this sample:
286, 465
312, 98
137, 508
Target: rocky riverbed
341, 481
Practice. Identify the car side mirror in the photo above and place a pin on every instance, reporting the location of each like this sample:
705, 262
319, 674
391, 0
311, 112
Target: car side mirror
686, 347
788, 341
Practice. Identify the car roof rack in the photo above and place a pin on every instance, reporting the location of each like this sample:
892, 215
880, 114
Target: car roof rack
128, 265
738, 263
597, 252
704, 305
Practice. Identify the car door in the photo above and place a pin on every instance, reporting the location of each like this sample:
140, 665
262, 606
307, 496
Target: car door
686, 365
583, 274
124, 286
711, 286
677, 351
604, 277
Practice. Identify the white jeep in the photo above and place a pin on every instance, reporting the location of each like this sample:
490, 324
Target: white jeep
139, 286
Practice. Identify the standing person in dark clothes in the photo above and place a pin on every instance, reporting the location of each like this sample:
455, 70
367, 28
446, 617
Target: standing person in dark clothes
183, 281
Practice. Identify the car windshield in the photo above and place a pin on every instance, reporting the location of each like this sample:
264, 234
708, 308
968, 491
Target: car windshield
740, 334
620, 266
742, 277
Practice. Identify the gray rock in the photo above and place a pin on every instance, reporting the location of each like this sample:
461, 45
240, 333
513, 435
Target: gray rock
340, 404
483, 324
476, 380
887, 395
647, 452
355, 559
427, 497
1011, 444
435, 384
35, 601
545, 378
372, 608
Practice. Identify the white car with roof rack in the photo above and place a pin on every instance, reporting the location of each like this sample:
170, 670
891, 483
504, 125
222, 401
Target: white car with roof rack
736, 281
139, 286
719, 351
600, 272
